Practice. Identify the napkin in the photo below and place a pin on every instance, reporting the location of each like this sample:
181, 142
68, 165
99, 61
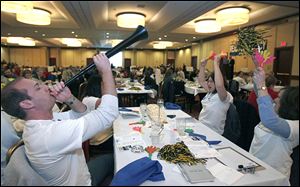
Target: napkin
137, 172
172, 106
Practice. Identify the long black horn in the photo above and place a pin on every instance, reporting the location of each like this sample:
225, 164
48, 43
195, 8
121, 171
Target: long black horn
139, 34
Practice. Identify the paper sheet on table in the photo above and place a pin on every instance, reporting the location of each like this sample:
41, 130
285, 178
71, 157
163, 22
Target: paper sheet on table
134, 138
201, 149
225, 174
233, 158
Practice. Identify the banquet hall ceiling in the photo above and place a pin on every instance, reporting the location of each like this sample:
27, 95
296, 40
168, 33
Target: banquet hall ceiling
168, 20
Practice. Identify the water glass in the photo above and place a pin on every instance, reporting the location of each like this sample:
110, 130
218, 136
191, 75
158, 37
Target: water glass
180, 126
160, 103
155, 133
143, 110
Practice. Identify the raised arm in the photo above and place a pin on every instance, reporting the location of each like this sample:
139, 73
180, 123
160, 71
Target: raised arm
267, 114
104, 69
219, 82
102, 118
201, 75
63, 94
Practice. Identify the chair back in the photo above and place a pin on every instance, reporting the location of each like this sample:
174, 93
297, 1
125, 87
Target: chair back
168, 91
12, 149
294, 178
179, 88
249, 119
232, 129
19, 172
82, 90
233, 88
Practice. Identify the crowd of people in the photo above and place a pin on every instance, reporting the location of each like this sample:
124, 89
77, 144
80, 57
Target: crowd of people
61, 161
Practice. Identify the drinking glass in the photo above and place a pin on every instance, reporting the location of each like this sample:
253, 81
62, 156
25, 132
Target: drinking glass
160, 103
143, 110
180, 126
155, 133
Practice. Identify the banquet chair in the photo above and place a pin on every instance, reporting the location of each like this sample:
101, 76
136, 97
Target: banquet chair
233, 88
82, 90
294, 178
249, 119
232, 129
18, 171
179, 94
12, 149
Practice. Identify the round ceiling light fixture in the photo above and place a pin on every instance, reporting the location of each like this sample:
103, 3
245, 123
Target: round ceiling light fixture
207, 26
233, 16
130, 19
37, 16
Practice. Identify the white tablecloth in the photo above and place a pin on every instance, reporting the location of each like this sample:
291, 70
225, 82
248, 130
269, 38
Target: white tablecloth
173, 177
249, 87
126, 90
193, 89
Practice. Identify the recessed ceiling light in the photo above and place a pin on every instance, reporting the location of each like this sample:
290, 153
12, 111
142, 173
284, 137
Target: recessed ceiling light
107, 33
72, 32
107, 36
43, 34
186, 40
194, 37
76, 35
9, 34
165, 36
159, 38
36, 31
14, 39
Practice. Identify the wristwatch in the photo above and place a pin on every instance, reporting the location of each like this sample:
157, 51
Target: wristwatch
262, 88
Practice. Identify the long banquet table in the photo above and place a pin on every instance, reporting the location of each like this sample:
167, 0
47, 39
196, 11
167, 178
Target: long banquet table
266, 175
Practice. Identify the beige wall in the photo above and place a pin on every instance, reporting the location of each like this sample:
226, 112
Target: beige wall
28, 56
148, 58
183, 57
295, 67
4, 54
75, 57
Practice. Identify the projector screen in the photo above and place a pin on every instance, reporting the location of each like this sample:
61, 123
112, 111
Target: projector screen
117, 59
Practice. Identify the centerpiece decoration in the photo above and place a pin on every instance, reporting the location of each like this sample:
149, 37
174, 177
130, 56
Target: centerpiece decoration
253, 42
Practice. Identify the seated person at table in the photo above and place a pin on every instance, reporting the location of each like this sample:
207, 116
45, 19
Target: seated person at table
240, 78
270, 83
149, 81
278, 132
180, 75
167, 86
53, 141
27, 74
217, 100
